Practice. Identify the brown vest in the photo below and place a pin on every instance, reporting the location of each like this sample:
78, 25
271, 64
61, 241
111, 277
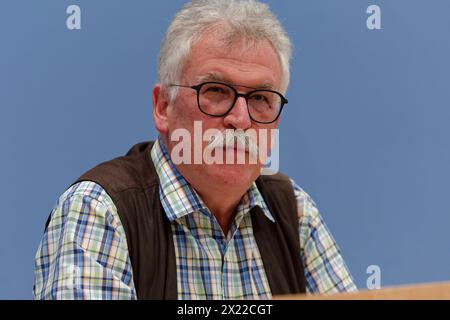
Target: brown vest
132, 183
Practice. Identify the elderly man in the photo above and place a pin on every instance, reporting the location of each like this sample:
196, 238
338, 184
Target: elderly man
144, 226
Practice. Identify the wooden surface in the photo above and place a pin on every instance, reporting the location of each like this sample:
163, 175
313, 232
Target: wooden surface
431, 291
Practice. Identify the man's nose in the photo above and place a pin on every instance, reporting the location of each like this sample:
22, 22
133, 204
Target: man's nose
238, 117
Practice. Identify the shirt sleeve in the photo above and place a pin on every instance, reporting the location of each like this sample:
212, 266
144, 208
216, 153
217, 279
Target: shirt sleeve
83, 253
325, 269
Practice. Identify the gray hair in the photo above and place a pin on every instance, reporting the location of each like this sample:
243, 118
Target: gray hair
248, 19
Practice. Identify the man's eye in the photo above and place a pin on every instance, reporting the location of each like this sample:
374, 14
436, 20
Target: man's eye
259, 97
215, 90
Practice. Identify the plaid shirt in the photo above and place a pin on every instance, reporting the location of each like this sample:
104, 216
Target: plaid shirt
84, 255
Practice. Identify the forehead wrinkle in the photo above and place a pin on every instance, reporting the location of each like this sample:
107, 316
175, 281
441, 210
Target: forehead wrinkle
217, 77
263, 58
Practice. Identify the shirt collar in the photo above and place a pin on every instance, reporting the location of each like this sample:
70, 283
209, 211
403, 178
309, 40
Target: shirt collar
179, 199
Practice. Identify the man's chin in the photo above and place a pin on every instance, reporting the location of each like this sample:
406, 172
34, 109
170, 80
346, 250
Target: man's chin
232, 174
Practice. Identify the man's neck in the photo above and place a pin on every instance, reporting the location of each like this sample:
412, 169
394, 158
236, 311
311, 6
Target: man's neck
222, 205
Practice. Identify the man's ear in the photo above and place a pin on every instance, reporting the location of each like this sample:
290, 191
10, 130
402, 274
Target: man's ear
161, 102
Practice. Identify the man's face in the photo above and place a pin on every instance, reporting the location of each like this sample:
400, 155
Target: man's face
257, 66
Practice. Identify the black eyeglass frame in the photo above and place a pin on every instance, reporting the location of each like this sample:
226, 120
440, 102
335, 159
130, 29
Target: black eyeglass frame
198, 87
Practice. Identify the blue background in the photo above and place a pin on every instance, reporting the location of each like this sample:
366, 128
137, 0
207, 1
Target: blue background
365, 133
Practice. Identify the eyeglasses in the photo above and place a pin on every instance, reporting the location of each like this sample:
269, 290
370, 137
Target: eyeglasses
217, 99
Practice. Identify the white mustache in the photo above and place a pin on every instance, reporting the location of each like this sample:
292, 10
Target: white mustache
235, 138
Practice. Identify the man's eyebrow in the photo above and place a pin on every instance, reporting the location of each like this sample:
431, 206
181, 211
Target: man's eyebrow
265, 86
211, 76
